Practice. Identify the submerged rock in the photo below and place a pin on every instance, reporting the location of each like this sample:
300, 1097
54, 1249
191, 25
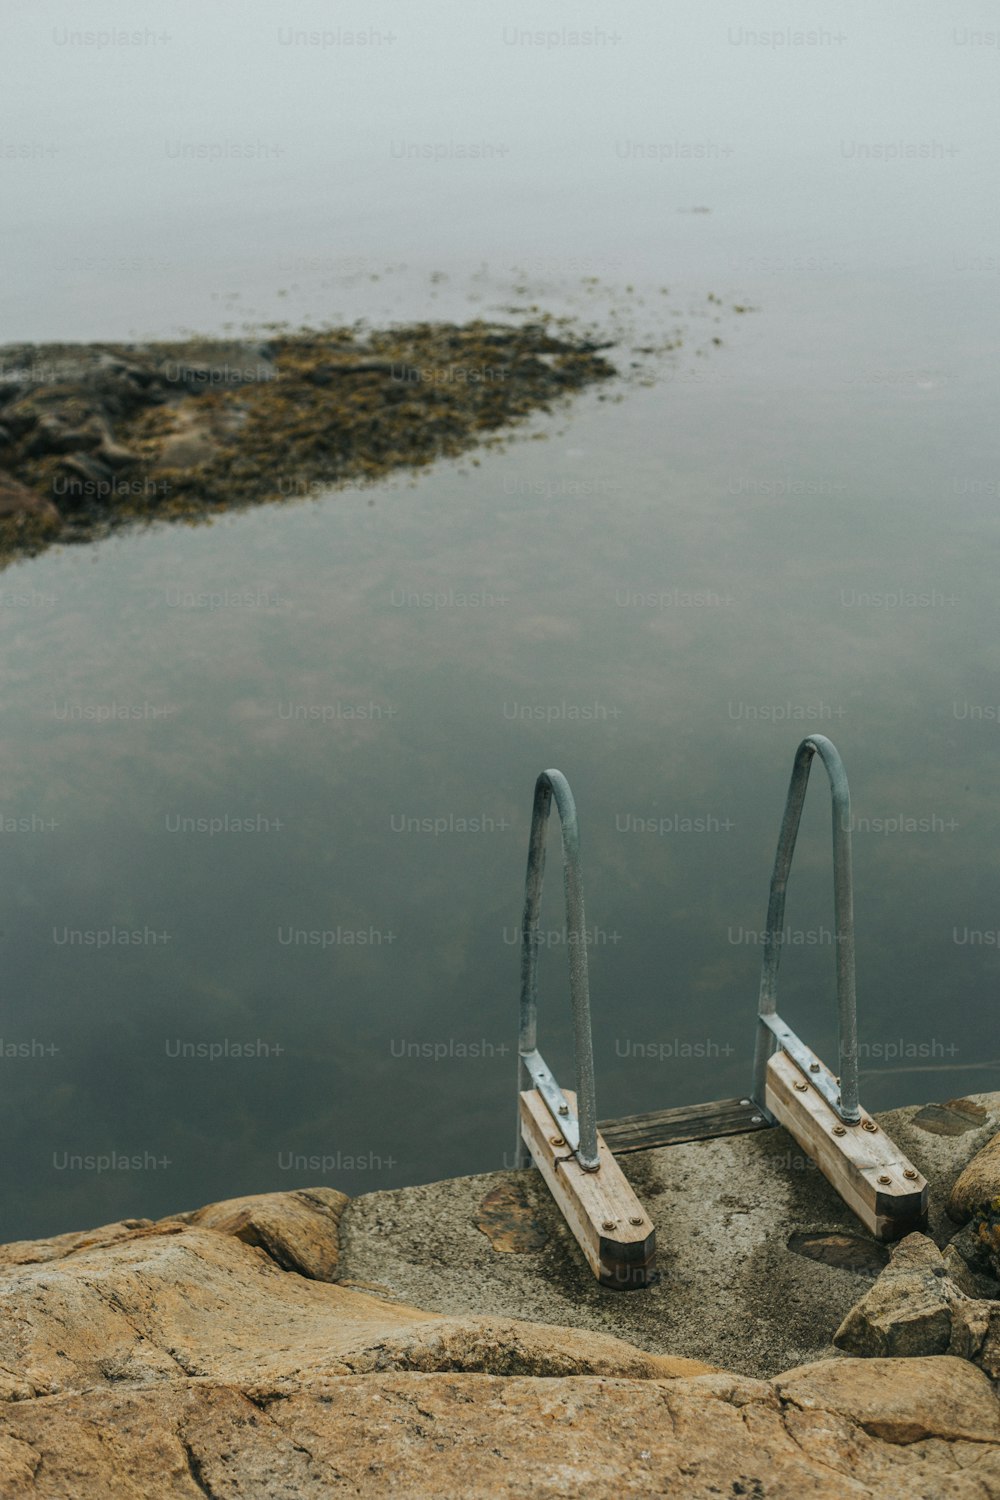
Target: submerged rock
111, 434
23, 508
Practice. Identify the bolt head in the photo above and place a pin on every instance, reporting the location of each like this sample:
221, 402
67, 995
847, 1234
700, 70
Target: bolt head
610, 1224
814, 1067
869, 1125
885, 1179
911, 1174
564, 1109
556, 1140
839, 1130
636, 1219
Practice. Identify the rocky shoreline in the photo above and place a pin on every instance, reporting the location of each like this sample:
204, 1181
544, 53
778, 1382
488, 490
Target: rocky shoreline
95, 436
271, 1347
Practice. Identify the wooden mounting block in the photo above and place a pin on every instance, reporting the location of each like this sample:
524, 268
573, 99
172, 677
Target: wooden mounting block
611, 1227
870, 1173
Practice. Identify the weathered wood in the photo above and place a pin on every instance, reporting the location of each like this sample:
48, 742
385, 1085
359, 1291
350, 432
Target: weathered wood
689, 1122
871, 1174
613, 1230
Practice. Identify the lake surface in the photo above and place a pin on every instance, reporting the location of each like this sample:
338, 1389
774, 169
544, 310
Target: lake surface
294, 751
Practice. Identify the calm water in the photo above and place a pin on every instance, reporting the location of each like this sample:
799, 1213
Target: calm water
659, 594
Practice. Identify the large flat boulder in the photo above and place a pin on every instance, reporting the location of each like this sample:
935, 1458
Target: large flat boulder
179, 1300
926, 1429
209, 1354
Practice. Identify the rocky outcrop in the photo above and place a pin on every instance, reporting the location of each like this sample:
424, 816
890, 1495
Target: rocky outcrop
926, 1429
101, 435
21, 507
975, 1196
210, 1354
923, 1304
241, 1289
298, 1230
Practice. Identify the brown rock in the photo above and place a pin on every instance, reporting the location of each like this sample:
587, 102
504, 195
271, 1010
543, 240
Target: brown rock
900, 1401
978, 1187
177, 1359
20, 504
38, 1252
116, 454
81, 477
916, 1308
908, 1311
833, 1432
180, 1298
298, 1230
57, 432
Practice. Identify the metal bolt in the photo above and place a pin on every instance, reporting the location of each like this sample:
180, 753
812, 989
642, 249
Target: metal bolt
564, 1109
885, 1179
814, 1067
636, 1219
556, 1140
802, 1086
868, 1125
744, 1101
909, 1172
756, 1119
610, 1224
839, 1130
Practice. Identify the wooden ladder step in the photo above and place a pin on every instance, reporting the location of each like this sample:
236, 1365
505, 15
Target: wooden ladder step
689, 1122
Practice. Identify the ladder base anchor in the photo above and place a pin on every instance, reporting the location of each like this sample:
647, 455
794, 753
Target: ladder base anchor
876, 1181
610, 1225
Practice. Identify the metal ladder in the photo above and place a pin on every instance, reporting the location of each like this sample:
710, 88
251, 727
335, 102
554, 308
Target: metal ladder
613, 1230
791, 1086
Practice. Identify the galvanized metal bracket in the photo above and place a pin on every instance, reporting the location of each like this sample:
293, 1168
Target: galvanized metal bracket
791, 1086
612, 1229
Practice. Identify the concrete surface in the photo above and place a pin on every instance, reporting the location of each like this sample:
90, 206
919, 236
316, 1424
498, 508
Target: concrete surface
732, 1292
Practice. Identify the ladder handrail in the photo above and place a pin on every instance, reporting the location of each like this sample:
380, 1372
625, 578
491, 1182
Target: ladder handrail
846, 1103
553, 784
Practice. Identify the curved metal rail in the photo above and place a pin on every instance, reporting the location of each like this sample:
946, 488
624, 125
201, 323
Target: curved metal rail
580, 1133
841, 1093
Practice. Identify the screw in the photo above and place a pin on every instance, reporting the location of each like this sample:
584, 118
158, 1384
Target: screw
868, 1125
744, 1101
885, 1178
911, 1174
839, 1130
802, 1086
610, 1224
556, 1140
756, 1119
564, 1109
636, 1220
814, 1067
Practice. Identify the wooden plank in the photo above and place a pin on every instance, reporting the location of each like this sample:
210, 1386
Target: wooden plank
613, 1230
871, 1174
689, 1122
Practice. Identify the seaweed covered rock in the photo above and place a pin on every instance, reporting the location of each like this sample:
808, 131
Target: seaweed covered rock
103, 435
